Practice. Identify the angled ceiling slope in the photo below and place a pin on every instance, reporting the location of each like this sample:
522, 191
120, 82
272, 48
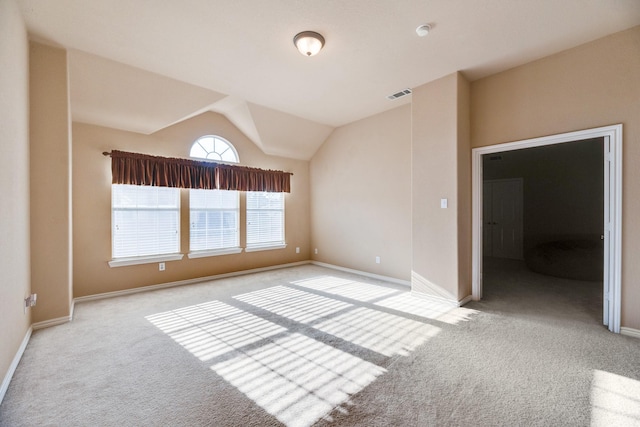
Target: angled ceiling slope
111, 94
245, 48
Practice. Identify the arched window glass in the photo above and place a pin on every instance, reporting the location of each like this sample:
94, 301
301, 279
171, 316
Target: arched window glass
214, 214
212, 147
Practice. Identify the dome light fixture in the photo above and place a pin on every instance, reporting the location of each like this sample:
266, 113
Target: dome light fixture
308, 43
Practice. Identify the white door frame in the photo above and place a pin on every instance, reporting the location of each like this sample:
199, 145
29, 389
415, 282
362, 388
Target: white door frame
612, 201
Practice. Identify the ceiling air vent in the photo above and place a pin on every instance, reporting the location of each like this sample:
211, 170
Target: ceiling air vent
399, 94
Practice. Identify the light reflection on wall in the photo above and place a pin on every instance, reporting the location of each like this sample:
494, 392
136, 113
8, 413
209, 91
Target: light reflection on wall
290, 365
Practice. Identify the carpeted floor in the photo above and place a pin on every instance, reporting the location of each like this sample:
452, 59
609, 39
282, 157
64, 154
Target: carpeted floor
311, 346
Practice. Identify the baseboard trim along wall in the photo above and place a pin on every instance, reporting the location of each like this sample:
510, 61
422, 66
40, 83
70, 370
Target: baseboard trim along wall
630, 332
52, 322
14, 364
184, 282
363, 273
441, 300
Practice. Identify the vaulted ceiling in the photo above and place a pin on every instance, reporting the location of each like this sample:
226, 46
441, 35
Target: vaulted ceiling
142, 65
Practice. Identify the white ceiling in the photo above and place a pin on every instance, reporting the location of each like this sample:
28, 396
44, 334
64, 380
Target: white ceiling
141, 65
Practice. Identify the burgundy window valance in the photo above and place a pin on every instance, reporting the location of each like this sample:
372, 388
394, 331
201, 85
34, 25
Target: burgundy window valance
142, 169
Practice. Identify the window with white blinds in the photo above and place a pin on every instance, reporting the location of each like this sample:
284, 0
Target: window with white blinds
265, 219
214, 220
145, 220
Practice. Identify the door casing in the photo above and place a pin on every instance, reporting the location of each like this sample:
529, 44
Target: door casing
612, 211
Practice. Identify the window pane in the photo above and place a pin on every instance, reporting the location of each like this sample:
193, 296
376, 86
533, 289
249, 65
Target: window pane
265, 218
145, 220
214, 148
214, 220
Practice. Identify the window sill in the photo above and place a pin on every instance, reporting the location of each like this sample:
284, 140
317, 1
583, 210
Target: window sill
204, 254
122, 262
265, 247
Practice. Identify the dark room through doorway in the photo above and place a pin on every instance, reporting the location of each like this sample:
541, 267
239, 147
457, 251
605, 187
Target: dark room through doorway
543, 227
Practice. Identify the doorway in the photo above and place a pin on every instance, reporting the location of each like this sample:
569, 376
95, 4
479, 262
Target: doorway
612, 137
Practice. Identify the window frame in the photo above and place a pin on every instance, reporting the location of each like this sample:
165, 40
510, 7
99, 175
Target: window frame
215, 156
262, 246
119, 261
227, 250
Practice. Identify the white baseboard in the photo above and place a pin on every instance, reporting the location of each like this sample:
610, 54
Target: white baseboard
630, 332
184, 282
51, 322
465, 300
363, 273
441, 300
14, 364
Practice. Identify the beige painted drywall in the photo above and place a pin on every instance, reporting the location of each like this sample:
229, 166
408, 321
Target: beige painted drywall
92, 206
14, 192
361, 195
440, 150
596, 84
50, 155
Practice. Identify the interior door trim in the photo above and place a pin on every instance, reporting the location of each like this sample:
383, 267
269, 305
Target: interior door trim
612, 280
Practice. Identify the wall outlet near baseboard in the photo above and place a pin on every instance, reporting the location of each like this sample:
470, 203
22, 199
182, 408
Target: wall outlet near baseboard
315, 251
30, 301
297, 250
377, 260
161, 266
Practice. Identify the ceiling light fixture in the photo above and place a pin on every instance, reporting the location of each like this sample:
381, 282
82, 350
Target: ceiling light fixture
308, 43
423, 30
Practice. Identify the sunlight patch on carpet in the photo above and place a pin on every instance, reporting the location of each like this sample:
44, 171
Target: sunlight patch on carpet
375, 330
293, 304
298, 379
213, 328
347, 288
378, 331
410, 304
615, 400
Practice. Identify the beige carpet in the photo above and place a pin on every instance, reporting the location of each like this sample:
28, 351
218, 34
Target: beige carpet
312, 346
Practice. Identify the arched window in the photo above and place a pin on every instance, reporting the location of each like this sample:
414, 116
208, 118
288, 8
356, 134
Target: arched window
213, 147
213, 214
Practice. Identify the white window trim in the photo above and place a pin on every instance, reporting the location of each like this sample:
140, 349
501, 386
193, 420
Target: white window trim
265, 247
218, 252
123, 262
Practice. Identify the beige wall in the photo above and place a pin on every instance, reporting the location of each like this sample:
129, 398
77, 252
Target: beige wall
596, 84
51, 258
440, 170
361, 195
92, 206
14, 175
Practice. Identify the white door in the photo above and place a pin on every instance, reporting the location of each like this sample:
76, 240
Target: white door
502, 209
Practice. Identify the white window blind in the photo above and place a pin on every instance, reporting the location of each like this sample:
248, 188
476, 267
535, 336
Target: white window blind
145, 220
265, 219
214, 220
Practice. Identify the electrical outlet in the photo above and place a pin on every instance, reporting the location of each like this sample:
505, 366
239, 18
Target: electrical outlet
161, 266
297, 250
377, 260
315, 251
30, 301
